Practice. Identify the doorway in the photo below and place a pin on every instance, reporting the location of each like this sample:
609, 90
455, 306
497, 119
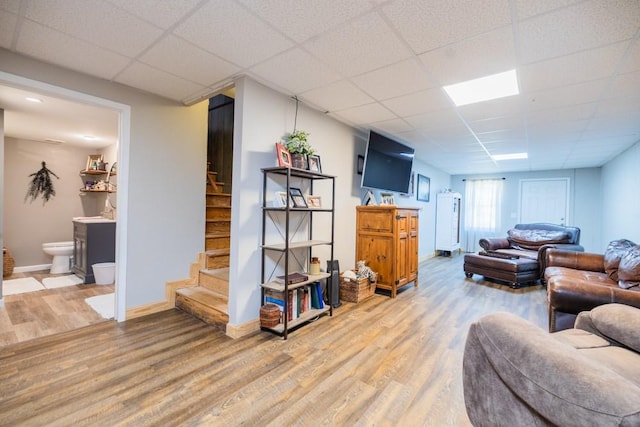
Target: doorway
544, 200
123, 112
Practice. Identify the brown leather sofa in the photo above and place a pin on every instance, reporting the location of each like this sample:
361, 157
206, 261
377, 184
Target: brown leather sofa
520, 257
579, 281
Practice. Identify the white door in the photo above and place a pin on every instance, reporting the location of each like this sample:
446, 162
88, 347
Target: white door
544, 200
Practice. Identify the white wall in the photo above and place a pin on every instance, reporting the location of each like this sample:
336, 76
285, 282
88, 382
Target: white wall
262, 117
164, 171
584, 209
620, 201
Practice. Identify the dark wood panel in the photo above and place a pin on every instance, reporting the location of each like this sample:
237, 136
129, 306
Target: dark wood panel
383, 361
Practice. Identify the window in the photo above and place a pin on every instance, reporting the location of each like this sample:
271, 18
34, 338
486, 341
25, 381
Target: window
483, 208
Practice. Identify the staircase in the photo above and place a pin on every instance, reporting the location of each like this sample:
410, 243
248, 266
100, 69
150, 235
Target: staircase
207, 298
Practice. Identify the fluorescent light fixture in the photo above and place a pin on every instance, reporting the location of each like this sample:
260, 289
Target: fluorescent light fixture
32, 99
512, 156
484, 89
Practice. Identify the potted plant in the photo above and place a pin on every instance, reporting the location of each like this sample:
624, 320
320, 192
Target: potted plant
298, 145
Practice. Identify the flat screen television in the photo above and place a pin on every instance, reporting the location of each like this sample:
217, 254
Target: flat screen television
387, 164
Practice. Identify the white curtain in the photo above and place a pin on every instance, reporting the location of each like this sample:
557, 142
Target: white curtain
483, 205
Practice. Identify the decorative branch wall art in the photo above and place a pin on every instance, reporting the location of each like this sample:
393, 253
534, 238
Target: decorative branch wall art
41, 184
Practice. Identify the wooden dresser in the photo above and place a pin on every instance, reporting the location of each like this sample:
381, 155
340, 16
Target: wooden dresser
387, 238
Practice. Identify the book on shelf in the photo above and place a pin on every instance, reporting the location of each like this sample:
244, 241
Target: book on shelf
293, 278
298, 300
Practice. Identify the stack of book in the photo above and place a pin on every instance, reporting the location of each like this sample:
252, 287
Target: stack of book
298, 301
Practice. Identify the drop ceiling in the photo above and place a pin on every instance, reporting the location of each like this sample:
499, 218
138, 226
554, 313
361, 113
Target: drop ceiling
375, 64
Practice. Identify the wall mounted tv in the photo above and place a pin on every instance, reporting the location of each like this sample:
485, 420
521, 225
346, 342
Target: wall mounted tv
387, 164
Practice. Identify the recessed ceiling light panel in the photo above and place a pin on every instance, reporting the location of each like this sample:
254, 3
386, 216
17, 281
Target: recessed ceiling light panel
512, 156
484, 89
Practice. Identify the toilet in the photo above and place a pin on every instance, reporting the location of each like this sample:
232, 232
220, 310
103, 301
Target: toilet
61, 253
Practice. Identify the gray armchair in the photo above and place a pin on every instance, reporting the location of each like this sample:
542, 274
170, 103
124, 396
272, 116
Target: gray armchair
516, 374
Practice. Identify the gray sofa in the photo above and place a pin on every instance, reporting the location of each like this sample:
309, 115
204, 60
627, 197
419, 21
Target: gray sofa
516, 374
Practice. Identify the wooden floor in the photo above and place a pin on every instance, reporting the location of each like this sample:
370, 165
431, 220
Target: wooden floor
37, 314
381, 362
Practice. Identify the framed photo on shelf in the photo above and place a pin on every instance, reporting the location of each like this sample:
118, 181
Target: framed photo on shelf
314, 201
280, 200
92, 161
297, 198
387, 199
284, 157
314, 163
424, 188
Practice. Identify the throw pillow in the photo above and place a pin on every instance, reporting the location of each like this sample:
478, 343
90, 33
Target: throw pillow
615, 250
629, 268
533, 239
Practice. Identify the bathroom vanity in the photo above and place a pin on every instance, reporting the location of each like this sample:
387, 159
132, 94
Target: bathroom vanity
94, 241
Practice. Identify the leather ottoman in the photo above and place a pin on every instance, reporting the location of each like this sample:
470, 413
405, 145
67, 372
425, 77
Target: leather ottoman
515, 271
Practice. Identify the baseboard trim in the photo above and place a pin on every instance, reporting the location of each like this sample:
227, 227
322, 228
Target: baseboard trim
29, 268
237, 331
144, 310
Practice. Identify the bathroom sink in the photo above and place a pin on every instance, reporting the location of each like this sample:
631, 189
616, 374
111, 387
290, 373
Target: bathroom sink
87, 219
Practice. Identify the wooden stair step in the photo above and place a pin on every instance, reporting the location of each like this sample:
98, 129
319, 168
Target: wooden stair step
205, 304
217, 252
217, 258
215, 279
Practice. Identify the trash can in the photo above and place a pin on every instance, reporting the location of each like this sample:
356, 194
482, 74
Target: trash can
104, 273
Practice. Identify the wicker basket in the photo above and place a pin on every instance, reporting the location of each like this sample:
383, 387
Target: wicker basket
7, 263
356, 290
269, 315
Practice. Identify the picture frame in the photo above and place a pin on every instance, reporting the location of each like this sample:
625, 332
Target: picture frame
281, 199
412, 185
297, 198
360, 165
387, 199
92, 161
369, 199
313, 163
284, 156
424, 188
314, 201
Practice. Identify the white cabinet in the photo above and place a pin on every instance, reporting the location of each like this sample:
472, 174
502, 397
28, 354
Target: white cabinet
448, 222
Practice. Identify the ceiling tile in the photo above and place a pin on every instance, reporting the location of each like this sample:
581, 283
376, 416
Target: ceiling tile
303, 19
365, 114
580, 67
501, 107
102, 24
582, 26
394, 80
336, 96
625, 86
215, 28
156, 81
632, 60
497, 124
529, 8
419, 102
436, 119
581, 93
429, 25
163, 13
564, 114
295, 71
362, 45
195, 64
10, 5
392, 126
58, 48
486, 54
7, 28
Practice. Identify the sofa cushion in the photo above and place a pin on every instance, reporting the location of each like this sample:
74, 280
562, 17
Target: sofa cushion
629, 268
612, 255
619, 322
533, 239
